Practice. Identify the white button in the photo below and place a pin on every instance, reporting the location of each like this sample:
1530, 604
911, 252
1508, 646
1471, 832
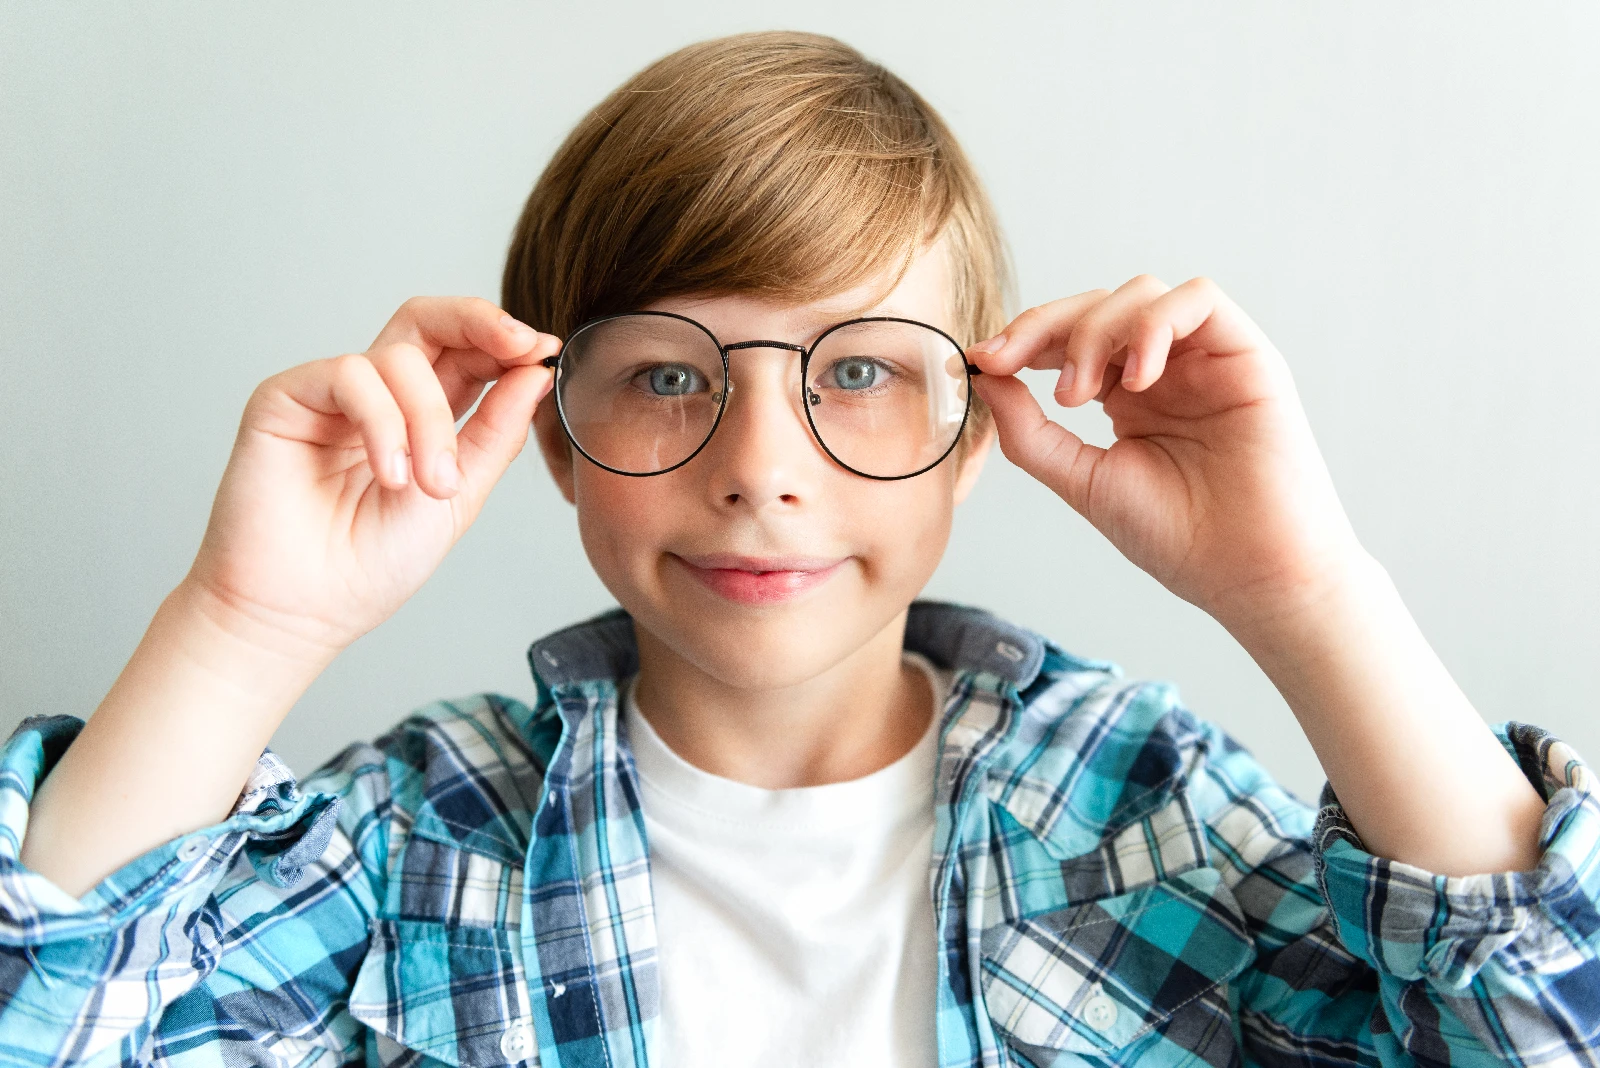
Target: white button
192, 848
1100, 1013
551, 797
1009, 651
517, 1043
557, 989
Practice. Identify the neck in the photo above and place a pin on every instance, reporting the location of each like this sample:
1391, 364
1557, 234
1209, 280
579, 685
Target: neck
850, 720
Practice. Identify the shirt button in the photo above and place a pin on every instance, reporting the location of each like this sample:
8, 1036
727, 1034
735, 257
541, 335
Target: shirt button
517, 1043
1100, 1013
192, 849
1010, 652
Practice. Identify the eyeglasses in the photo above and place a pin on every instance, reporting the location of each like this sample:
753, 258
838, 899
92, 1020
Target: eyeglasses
640, 393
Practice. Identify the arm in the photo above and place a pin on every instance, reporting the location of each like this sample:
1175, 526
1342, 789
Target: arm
1216, 488
1419, 772
98, 979
347, 485
1358, 959
196, 695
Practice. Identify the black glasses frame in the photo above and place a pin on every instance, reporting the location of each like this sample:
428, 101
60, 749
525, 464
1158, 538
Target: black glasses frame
727, 386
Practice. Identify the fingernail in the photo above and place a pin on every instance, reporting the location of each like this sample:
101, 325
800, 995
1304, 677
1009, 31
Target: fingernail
444, 470
1069, 375
992, 346
516, 326
1130, 370
399, 468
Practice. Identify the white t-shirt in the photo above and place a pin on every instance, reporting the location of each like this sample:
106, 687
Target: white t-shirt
795, 926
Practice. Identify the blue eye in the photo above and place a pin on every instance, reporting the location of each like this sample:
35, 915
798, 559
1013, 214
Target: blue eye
675, 379
855, 373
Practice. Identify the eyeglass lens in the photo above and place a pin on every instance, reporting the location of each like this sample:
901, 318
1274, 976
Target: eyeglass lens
640, 393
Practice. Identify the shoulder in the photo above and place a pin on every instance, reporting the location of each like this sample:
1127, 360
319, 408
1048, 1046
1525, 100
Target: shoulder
460, 770
1094, 754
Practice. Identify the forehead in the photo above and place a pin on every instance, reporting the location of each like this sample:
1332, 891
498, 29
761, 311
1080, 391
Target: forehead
925, 293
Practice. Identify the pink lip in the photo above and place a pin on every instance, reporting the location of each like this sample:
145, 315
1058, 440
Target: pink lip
760, 580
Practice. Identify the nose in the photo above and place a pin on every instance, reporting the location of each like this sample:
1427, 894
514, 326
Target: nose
762, 453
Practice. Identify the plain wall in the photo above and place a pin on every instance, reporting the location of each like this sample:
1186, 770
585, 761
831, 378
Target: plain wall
195, 198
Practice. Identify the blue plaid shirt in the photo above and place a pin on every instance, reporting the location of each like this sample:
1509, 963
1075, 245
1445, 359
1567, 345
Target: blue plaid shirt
1113, 880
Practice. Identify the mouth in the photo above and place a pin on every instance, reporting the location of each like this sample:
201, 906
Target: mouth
760, 580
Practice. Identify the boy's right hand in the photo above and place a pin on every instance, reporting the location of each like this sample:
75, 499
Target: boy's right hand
348, 481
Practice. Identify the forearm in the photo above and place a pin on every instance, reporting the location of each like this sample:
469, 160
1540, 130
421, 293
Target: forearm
172, 744
1421, 775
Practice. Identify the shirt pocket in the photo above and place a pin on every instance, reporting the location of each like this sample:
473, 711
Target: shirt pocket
453, 992
1137, 976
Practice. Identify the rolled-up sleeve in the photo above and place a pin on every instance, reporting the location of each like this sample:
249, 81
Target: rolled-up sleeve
1508, 961
85, 980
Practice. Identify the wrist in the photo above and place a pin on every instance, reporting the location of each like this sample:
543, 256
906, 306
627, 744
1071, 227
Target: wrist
269, 666
1345, 599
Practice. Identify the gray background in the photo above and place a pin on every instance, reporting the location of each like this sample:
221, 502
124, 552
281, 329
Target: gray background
1403, 199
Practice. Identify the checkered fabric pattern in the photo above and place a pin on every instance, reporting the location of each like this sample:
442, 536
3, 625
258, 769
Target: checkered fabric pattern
1114, 881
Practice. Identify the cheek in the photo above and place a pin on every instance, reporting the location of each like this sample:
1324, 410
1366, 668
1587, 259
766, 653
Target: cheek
620, 521
903, 527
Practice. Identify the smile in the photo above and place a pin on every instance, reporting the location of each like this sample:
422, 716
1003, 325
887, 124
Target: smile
760, 580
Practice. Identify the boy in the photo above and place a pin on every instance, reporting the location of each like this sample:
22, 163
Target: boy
774, 810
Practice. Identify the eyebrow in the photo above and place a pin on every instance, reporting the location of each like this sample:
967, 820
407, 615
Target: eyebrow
814, 323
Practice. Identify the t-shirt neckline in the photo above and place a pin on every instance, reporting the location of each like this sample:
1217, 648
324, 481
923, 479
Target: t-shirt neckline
896, 791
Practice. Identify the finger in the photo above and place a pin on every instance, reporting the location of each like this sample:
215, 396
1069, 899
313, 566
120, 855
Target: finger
348, 389
1196, 312
436, 324
1044, 449
1037, 338
464, 372
495, 434
430, 426
1099, 335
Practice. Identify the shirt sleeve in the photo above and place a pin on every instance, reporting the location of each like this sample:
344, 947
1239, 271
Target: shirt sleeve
1365, 960
1507, 961
238, 934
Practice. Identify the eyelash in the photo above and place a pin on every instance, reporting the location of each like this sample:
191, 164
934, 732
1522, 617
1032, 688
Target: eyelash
888, 372
645, 371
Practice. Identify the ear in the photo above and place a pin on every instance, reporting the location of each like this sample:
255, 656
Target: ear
972, 463
554, 445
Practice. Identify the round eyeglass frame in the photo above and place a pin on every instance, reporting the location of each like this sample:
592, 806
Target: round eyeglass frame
727, 387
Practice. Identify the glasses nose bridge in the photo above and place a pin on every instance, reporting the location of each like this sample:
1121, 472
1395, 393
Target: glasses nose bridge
763, 344
787, 346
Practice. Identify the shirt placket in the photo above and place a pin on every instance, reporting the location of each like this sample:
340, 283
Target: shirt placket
973, 732
589, 939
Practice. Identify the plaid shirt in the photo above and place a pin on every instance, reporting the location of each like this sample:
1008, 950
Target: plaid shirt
1113, 880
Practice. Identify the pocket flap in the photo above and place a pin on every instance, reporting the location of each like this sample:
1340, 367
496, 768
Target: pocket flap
455, 992
1099, 977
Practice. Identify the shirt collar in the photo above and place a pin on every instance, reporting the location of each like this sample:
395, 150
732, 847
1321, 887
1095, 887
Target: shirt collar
954, 636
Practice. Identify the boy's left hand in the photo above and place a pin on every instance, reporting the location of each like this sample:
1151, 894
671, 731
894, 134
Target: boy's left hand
1214, 484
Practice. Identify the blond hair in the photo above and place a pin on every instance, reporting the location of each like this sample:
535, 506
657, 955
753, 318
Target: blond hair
781, 165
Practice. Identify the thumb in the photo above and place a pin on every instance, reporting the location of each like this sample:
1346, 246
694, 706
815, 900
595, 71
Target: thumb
492, 438
1043, 448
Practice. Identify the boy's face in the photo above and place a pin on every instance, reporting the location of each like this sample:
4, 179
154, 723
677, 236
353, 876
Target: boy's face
681, 551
